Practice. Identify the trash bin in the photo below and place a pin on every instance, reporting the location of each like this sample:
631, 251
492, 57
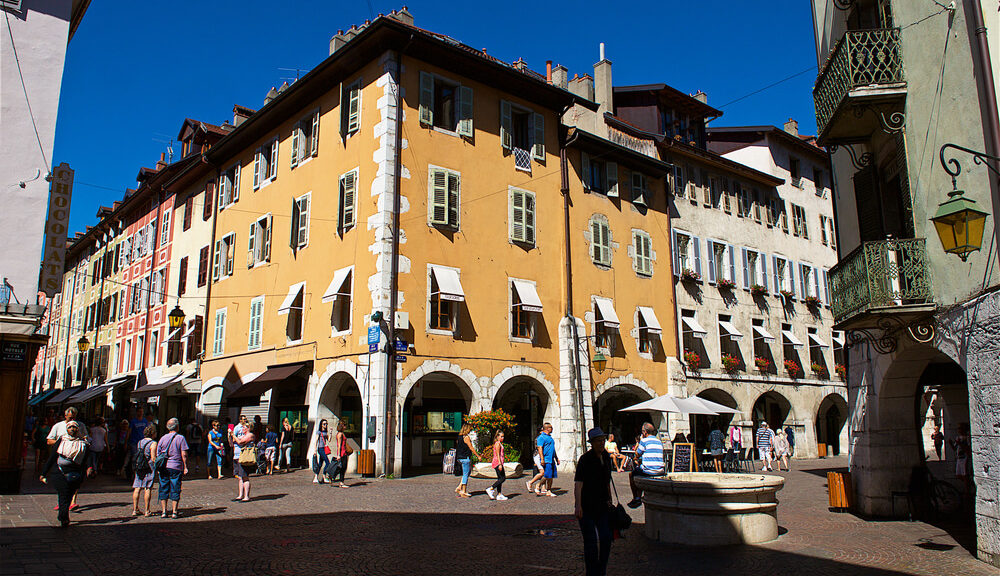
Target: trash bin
822, 450
841, 490
366, 462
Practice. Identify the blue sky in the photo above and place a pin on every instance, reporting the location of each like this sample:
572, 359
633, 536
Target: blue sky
135, 70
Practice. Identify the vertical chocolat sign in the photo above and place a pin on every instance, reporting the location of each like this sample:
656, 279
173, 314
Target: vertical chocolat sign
56, 225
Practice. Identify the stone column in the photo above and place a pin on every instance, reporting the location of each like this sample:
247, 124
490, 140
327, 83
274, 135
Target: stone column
569, 438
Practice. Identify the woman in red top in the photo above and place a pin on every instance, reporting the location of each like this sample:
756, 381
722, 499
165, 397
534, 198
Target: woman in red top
342, 453
498, 458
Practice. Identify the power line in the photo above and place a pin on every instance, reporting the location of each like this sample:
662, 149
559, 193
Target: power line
768, 87
24, 89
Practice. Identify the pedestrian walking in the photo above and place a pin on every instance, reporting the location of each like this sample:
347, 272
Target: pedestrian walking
175, 446
321, 465
592, 493
243, 439
40, 444
495, 492
258, 427
536, 459
962, 446
343, 452
790, 435
938, 438
649, 451
270, 448
546, 447
285, 444
717, 446
765, 449
69, 462
464, 450
137, 427
58, 431
736, 437
194, 434
781, 450
216, 450
143, 468
99, 443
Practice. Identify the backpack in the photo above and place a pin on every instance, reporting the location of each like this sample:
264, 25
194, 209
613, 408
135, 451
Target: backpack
142, 466
160, 465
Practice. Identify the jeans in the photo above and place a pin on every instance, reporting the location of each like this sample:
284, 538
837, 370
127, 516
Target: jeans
466, 469
170, 485
285, 453
501, 476
596, 542
215, 456
66, 484
324, 462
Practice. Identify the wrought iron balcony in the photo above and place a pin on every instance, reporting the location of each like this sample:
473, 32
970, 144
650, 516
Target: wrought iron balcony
866, 65
889, 276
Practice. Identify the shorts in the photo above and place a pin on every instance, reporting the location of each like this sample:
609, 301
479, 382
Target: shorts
538, 461
170, 485
550, 470
650, 474
143, 481
238, 470
269, 453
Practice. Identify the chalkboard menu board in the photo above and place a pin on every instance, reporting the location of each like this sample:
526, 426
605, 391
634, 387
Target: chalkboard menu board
684, 459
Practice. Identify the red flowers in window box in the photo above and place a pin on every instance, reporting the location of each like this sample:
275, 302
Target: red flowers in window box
758, 290
762, 363
689, 275
730, 363
793, 368
692, 359
725, 284
819, 370
841, 371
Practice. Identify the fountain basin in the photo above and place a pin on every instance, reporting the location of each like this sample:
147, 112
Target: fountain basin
709, 509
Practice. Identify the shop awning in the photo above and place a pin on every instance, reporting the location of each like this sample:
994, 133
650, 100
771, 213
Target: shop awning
759, 330
696, 330
791, 339
293, 292
62, 396
730, 330
608, 316
88, 394
649, 317
449, 286
250, 392
528, 296
337, 287
838, 341
41, 396
815, 339
156, 385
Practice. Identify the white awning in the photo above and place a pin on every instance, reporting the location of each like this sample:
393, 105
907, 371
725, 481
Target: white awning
336, 288
293, 292
815, 339
791, 339
649, 317
838, 340
526, 292
608, 316
190, 331
449, 286
696, 330
730, 330
759, 330
171, 335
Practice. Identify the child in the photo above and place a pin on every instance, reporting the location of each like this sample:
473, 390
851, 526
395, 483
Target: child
498, 458
270, 447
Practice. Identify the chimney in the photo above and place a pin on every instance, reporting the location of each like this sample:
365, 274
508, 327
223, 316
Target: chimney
162, 162
403, 16
240, 114
548, 71
792, 127
559, 76
701, 97
337, 42
271, 95
582, 86
602, 84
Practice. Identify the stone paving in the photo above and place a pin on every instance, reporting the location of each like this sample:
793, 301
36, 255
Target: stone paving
418, 526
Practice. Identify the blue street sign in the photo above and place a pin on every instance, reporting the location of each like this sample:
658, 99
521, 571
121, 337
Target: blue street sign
373, 348
374, 333
402, 345
400, 358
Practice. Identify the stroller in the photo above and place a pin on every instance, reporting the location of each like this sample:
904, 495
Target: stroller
261, 460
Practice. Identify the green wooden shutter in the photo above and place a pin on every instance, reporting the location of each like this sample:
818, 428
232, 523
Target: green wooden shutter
344, 106
612, 177
426, 99
354, 112
295, 144
605, 244
439, 197
529, 218
250, 244
517, 216
314, 135
639, 188
595, 240
293, 235
267, 238
506, 138
465, 111
538, 141
453, 186
348, 185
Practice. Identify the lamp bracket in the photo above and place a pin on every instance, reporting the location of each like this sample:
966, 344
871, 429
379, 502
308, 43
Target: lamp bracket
884, 337
954, 168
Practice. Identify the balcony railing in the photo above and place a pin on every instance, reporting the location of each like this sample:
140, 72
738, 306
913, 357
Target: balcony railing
861, 58
881, 275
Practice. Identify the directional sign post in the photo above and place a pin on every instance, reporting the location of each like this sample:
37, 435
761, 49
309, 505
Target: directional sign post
372, 348
374, 334
402, 345
400, 358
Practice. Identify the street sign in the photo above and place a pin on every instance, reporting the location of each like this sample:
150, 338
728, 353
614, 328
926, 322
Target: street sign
16, 351
374, 334
400, 358
402, 345
372, 348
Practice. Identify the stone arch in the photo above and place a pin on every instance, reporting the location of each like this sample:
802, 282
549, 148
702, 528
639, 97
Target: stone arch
785, 413
525, 393
512, 372
831, 423
627, 379
624, 424
702, 424
479, 398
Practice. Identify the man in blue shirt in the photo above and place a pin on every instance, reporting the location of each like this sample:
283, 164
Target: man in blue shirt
650, 453
547, 452
136, 427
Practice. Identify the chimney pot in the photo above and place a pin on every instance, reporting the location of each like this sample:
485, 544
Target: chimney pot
603, 91
548, 71
792, 127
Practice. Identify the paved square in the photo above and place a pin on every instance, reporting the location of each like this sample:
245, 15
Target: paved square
418, 526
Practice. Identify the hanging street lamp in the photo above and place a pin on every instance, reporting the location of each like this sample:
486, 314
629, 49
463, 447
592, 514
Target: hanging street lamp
600, 362
83, 344
959, 222
176, 317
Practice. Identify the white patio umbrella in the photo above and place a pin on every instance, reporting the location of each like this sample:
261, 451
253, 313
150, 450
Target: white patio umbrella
668, 403
719, 408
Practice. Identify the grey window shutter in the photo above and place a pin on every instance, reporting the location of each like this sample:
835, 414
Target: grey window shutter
529, 219
697, 254
439, 197
230, 254
517, 216
612, 179
273, 165
344, 106
606, 243
354, 109
465, 107
426, 99
711, 262
816, 283
790, 267
236, 183
802, 281
506, 138
314, 135
303, 238
826, 288
267, 238
732, 262
762, 258
746, 269
453, 190
256, 172
776, 277
348, 187
250, 244
295, 144
538, 138
638, 188
585, 163
595, 240
676, 253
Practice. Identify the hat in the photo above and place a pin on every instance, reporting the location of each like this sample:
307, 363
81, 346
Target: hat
595, 433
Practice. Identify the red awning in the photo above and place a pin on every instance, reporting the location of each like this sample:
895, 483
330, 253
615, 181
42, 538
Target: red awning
252, 390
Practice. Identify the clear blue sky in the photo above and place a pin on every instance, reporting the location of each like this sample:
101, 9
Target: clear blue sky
135, 70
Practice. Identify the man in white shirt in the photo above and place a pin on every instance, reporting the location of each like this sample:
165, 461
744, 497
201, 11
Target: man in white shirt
59, 429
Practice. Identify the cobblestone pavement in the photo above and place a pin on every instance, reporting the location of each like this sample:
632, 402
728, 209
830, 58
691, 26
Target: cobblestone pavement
418, 526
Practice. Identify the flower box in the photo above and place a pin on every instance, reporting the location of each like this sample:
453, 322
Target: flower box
692, 359
762, 363
787, 295
811, 301
819, 370
841, 371
758, 290
726, 284
793, 368
688, 275
730, 363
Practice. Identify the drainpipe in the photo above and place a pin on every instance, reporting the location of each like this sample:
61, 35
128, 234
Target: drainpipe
987, 98
574, 357
390, 356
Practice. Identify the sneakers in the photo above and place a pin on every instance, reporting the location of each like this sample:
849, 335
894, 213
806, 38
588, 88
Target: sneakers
635, 503
528, 484
501, 497
491, 493
316, 481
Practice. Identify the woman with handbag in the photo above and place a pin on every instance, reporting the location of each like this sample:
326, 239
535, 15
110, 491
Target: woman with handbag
322, 453
343, 453
244, 454
70, 458
464, 449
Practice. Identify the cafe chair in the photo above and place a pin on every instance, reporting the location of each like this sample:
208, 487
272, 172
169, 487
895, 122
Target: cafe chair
730, 461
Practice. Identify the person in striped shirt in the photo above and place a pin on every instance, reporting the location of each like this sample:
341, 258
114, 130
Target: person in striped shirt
765, 441
650, 452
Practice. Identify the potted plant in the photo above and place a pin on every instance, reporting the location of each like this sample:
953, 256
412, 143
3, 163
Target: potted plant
841, 371
692, 359
689, 275
787, 295
811, 301
487, 424
819, 370
730, 363
793, 368
762, 363
758, 290
725, 284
